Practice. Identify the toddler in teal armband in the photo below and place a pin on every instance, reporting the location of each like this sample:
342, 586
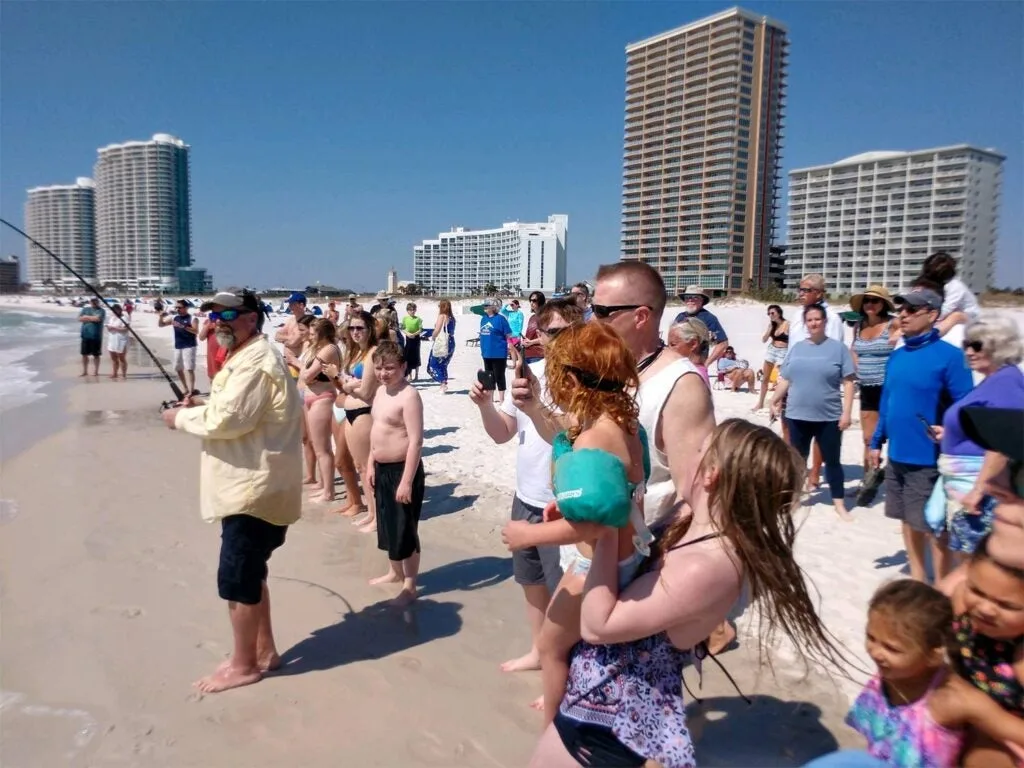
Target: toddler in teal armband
599, 466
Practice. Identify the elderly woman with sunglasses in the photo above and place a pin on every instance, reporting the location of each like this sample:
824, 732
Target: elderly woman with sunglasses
993, 348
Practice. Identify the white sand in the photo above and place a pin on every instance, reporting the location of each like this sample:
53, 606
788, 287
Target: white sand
124, 513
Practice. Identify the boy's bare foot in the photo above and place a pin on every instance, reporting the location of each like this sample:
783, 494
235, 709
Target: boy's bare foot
227, 677
538, 704
524, 663
405, 597
387, 578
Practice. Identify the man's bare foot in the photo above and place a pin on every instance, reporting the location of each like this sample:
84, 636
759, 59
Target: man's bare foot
227, 677
269, 662
388, 578
405, 597
538, 704
352, 510
524, 663
370, 526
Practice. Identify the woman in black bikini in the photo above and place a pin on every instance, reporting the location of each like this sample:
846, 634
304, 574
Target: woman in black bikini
777, 338
318, 397
359, 383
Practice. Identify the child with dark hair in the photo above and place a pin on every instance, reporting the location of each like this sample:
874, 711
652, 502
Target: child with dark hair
959, 304
915, 710
395, 469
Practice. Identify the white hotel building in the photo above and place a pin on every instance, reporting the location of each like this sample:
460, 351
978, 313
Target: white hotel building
518, 257
873, 218
62, 217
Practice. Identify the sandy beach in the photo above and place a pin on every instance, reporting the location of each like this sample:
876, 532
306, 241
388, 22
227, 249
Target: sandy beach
110, 611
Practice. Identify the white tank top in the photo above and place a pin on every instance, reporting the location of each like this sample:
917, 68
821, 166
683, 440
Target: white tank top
651, 397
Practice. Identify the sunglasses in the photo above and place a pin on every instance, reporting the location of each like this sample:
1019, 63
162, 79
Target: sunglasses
692, 297
354, 328
604, 311
552, 332
974, 346
907, 309
872, 300
801, 289
228, 315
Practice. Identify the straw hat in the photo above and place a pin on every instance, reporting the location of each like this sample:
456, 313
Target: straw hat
879, 292
381, 295
696, 290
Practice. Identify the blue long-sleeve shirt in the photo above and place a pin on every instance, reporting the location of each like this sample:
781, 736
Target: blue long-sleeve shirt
922, 378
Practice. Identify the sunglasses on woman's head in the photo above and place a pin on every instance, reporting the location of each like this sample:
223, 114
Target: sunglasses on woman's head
974, 346
227, 315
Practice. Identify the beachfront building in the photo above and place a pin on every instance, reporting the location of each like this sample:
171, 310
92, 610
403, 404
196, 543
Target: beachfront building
517, 257
10, 274
874, 217
703, 139
62, 218
143, 213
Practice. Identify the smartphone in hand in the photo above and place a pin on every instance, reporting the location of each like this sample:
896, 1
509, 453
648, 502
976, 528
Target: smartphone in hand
929, 430
486, 379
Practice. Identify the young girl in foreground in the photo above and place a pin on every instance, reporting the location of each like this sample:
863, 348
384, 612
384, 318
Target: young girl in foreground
598, 463
914, 712
624, 704
988, 601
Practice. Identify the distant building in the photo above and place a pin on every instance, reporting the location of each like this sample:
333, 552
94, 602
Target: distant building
702, 150
520, 257
143, 212
194, 280
62, 218
392, 281
10, 274
873, 218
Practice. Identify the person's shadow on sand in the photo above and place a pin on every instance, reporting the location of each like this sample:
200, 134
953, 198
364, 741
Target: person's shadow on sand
465, 575
727, 731
372, 633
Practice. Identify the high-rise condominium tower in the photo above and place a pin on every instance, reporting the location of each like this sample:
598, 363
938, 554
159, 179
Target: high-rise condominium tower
873, 218
62, 218
518, 257
143, 212
704, 108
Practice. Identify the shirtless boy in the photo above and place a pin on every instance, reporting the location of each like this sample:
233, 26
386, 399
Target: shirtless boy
395, 469
289, 335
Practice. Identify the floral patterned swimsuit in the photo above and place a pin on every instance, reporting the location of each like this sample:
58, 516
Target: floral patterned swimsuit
987, 664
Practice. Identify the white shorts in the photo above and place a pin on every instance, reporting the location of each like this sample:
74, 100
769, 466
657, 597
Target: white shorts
117, 342
775, 354
185, 359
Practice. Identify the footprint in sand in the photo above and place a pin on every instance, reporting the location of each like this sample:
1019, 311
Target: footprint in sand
429, 748
125, 611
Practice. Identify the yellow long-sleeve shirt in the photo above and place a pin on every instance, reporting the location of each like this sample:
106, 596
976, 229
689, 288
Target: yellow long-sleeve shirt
251, 427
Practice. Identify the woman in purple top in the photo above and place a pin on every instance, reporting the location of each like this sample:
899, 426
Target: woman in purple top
992, 346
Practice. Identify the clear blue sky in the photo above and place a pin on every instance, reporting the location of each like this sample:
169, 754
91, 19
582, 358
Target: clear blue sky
329, 138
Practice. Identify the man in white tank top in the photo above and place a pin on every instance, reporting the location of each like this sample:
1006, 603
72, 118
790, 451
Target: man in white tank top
675, 409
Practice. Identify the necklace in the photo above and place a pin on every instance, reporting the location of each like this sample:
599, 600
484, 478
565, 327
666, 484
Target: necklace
648, 361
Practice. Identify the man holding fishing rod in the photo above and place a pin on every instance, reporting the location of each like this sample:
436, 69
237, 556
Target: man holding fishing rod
250, 477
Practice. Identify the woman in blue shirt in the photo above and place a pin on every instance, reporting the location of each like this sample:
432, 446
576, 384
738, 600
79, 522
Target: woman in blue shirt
494, 335
812, 375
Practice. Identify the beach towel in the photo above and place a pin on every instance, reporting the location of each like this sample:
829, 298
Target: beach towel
956, 478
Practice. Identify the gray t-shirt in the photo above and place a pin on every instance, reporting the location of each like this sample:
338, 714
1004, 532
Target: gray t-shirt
815, 372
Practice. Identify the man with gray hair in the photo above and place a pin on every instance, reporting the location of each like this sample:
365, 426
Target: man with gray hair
812, 291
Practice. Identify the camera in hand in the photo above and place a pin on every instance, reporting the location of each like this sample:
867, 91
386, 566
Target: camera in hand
486, 379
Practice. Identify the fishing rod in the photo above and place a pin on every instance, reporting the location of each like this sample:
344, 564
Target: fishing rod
178, 394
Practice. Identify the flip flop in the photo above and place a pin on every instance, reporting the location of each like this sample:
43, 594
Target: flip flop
869, 488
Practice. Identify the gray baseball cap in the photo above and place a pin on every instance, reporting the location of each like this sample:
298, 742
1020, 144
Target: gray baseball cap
920, 297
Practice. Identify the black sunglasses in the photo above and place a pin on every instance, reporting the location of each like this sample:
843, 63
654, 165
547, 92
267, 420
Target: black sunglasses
356, 328
604, 311
974, 346
808, 290
552, 332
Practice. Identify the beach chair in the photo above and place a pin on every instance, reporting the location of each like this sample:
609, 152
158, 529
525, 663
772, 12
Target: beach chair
473, 342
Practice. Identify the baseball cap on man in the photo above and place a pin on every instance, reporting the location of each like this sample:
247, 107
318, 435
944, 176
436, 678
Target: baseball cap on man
920, 297
244, 300
297, 298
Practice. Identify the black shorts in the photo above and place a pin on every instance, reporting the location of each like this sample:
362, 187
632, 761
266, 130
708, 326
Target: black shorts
496, 365
92, 347
534, 566
246, 543
595, 745
907, 490
870, 397
397, 524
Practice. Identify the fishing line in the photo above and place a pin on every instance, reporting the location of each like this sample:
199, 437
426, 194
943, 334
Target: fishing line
178, 394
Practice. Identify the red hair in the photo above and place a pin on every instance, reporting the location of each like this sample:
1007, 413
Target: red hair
591, 372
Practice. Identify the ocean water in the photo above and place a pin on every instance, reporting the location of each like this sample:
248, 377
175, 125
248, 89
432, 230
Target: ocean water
22, 334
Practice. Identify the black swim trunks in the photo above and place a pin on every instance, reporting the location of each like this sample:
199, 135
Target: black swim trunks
397, 524
246, 543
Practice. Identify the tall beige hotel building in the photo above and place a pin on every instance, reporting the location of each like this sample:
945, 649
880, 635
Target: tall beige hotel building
703, 139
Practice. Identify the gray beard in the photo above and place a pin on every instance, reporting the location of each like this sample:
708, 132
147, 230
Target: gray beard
226, 339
